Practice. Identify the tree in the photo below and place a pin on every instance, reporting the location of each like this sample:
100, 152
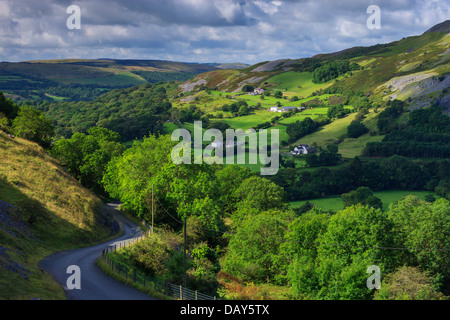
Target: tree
278, 94
356, 129
332, 70
132, 112
335, 267
337, 111
31, 124
247, 88
430, 198
253, 250
219, 125
362, 195
243, 110
191, 190
4, 123
181, 190
298, 129
424, 228
255, 195
407, 283
8, 107
327, 157
86, 155
230, 177
301, 236
129, 177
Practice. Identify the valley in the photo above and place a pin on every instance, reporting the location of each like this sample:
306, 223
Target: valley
363, 177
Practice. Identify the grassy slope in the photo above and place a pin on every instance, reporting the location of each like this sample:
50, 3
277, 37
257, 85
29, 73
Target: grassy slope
329, 132
68, 216
411, 55
295, 83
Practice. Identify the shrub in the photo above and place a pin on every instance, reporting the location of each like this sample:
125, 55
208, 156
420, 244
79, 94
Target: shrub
356, 129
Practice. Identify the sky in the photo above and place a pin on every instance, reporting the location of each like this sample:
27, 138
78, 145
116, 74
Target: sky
221, 31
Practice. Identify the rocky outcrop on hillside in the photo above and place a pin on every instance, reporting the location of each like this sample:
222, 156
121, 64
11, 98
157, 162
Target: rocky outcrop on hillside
15, 227
11, 223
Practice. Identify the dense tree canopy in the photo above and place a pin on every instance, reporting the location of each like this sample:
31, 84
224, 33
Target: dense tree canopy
31, 124
86, 155
254, 249
332, 70
300, 128
362, 195
8, 107
133, 112
323, 256
425, 134
356, 129
395, 172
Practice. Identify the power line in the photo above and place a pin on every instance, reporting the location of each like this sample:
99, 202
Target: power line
168, 212
316, 244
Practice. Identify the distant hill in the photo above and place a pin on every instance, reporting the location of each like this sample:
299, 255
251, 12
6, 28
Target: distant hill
405, 69
47, 79
232, 65
440, 27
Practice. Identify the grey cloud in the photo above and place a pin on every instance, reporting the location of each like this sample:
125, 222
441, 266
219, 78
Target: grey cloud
205, 30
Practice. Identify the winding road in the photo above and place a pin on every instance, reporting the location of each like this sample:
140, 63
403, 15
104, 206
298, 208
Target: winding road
95, 284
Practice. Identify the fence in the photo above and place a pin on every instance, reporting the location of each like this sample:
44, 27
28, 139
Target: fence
175, 291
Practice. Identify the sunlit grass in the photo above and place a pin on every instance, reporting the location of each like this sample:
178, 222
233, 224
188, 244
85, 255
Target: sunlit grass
66, 216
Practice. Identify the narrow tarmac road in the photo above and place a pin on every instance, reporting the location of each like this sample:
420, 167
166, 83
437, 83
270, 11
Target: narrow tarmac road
95, 285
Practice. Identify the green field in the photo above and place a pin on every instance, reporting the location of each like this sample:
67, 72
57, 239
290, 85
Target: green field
267, 102
296, 83
351, 148
120, 79
55, 98
169, 127
251, 120
335, 203
329, 133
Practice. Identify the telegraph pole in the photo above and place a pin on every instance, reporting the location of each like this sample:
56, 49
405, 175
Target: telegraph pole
152, 208
185, 249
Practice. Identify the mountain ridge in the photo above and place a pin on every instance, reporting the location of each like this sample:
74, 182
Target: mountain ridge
414, 55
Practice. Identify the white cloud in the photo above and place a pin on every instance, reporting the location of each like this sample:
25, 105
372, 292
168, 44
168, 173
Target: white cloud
187, 30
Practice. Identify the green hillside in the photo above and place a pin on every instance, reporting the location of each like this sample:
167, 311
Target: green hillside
42, 209
413, 70
35, 79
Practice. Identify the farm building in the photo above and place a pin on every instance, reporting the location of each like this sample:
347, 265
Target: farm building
302, 149
281, 109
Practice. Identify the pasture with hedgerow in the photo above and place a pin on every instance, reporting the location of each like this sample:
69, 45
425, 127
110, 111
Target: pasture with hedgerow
359, 138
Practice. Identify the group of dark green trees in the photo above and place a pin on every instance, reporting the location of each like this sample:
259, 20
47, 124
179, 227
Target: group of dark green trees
319, 255
300, 128
25, 122
393, 173
131, 112
332, 70
426, 133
